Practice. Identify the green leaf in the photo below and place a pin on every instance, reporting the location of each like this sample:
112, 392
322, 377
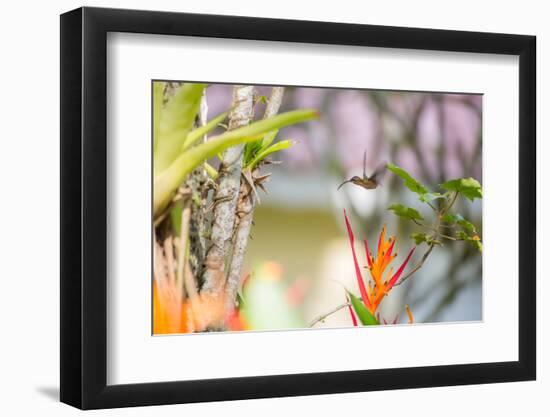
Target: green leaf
175, 217
199, 132
240, 300
426, 198
423, 238
405, 212
261, 99
279, 146
211, 171
411, 183
468, 187
458, 219
167, 181
462, 235
252, 149
476, 243
449, 218
175, 122
365, 316
269, 138
419, 238
158, 96
472, 240
263, 126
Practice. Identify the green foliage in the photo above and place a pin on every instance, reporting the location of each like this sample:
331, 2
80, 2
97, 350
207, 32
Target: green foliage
426, 198
411, 183
265, 151
167, 181
405, 212
261, 99
199, 132
364, 315
256, 152
174, 122
472, 240
424, 238
211, 171
458, 219
175, 217
468, 187
158, 93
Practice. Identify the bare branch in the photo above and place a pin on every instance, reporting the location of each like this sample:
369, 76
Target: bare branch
325, 315
418, 266
274, 102
226, 195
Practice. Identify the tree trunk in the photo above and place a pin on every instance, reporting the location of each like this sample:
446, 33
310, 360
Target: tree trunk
245, 214
225, 197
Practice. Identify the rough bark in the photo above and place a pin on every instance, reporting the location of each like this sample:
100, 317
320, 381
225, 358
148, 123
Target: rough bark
225, 197
245, 214
197, 182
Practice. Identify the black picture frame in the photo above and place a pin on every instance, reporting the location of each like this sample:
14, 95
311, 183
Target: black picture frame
84, 207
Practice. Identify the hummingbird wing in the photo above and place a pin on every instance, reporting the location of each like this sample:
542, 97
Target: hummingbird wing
378, 173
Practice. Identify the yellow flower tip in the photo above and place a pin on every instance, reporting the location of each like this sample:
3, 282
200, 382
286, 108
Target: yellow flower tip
409, 314
476, 237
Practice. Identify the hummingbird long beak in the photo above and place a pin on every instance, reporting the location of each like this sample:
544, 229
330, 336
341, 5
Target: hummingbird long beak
340, 186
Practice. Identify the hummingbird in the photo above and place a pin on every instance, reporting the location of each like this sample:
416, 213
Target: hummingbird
367, 182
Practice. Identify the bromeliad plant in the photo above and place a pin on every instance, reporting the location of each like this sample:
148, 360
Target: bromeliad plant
202, 213
176, 148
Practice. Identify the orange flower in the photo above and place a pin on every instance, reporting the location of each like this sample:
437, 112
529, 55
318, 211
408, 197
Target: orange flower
381, 282
173, 315
170, 315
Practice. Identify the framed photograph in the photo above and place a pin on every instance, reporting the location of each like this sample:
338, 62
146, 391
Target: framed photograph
256, 208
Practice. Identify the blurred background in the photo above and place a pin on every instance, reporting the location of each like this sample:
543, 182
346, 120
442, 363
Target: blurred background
300, 223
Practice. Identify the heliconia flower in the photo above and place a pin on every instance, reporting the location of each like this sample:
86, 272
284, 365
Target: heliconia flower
380, 282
